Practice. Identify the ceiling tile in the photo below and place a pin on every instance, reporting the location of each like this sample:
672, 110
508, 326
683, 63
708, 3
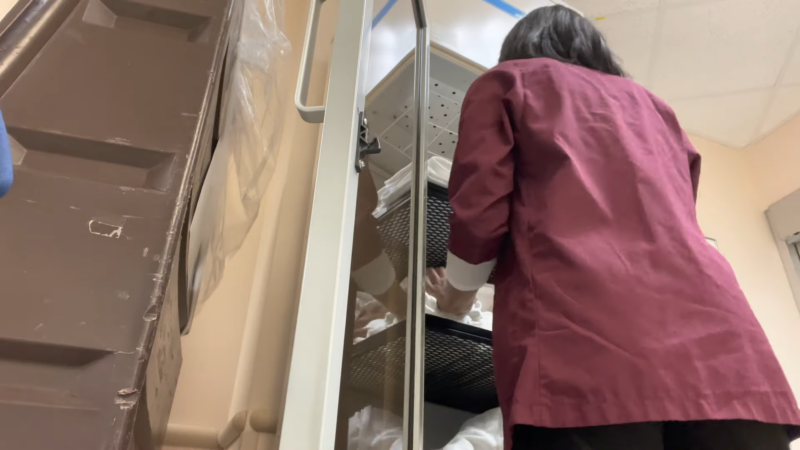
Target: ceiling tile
630, 36
784, 106
723, 46
729, 119
792, 75
599, 8
476, 30
683, 2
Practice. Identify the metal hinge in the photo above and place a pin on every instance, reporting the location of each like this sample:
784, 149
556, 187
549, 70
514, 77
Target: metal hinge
365, 146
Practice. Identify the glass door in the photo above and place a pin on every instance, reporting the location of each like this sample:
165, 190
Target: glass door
355, 378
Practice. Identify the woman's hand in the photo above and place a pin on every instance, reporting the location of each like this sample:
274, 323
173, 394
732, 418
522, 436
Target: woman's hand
435, 282
449, 299
370, 312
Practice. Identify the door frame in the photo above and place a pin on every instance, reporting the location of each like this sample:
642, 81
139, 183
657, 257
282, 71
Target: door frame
312, 395
414, 392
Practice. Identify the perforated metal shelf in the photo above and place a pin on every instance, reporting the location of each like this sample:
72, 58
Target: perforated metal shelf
459, 372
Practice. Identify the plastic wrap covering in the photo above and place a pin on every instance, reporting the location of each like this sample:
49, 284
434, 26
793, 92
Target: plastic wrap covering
245, 157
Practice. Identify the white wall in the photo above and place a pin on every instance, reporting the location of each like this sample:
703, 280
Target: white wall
275, 246
5, 6
775, 161
730, 209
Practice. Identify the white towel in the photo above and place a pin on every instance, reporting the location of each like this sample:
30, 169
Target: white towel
367, 305
375, 429
483, 432
480, 316
476, 317
438, 170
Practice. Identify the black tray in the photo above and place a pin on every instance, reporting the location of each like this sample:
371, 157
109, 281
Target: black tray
459, 372
394, 230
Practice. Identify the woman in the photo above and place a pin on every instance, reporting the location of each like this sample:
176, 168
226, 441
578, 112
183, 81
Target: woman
616, 325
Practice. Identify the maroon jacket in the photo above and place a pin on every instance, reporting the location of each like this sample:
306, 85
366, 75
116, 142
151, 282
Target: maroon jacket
610, 305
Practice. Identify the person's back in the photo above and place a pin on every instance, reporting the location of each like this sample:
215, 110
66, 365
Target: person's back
630, 300
611, 308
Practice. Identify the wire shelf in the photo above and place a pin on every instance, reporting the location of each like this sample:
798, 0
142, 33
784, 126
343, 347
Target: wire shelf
394, 230
459, 372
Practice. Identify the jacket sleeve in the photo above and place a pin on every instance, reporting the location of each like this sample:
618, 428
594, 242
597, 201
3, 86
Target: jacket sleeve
482, 179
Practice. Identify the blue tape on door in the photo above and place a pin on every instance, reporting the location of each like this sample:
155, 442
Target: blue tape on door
502, 5
383, 12
507, 8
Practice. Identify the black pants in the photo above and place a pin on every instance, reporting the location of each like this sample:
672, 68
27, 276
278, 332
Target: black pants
702, 435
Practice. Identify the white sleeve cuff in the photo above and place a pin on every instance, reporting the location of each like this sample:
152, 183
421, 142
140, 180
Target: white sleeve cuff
376, 277
465, 276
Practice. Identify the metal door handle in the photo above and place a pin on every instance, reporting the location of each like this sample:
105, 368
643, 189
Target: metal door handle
311, 114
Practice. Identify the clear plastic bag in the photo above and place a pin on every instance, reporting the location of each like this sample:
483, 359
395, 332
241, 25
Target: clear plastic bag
245, 157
